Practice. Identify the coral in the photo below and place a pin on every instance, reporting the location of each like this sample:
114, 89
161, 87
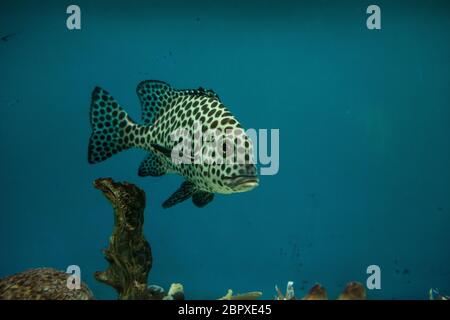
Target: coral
41, 284
434, 294
290, 292
130, 261
243, 296
353, 291
317, 292
176, 292
129, 254
157, 292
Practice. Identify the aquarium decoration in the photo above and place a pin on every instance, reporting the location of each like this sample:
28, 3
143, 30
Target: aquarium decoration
129, 254
130, 260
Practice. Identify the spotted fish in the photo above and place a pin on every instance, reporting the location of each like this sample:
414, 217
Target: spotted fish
226, 156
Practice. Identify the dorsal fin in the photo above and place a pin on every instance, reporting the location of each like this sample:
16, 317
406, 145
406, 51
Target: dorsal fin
154, 96
201, 92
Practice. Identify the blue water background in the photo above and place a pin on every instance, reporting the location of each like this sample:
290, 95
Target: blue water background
363, 115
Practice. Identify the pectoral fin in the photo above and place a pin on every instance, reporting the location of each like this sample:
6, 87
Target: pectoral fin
184, 192
165, 151
168, 153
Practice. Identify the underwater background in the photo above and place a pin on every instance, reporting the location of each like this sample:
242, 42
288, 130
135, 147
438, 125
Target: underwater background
364, 116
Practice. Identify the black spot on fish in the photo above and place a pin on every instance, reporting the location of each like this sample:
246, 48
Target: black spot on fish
225, 121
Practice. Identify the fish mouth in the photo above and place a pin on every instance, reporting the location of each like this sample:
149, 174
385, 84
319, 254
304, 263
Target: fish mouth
242, 182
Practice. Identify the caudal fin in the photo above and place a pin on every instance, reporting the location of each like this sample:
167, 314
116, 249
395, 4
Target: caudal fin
112, 129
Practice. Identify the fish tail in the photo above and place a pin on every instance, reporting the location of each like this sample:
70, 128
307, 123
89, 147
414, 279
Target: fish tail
112, 128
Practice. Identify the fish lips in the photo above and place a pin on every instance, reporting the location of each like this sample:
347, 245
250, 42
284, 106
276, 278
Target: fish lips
242, 183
